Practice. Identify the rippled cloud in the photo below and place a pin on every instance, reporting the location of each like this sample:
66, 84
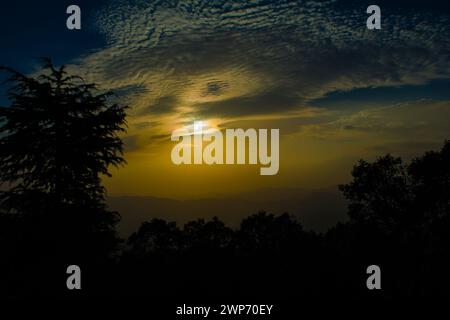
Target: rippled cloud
177, 61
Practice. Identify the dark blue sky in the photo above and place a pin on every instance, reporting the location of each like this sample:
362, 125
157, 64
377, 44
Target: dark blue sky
438, 90
33, 29
30, 30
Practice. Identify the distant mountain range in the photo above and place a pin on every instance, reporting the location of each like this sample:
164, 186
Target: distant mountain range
316, 210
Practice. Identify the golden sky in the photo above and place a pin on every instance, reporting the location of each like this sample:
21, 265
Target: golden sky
337, 91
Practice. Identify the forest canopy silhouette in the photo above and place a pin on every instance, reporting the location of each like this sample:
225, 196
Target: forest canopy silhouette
60, 135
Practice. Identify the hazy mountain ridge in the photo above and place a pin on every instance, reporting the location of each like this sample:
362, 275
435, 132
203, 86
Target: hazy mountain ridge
316, 209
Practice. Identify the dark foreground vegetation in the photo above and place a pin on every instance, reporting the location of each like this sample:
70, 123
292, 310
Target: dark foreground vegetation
59, 135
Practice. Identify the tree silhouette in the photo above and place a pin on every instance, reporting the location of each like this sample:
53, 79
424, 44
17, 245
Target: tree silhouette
431, 184
400, 216
397, 197
155, 236
211, 236
264, 232
57, 137
380, 193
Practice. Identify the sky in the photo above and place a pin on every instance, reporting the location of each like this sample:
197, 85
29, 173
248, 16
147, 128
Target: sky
337, 91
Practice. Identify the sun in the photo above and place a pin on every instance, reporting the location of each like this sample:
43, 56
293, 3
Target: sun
198, 127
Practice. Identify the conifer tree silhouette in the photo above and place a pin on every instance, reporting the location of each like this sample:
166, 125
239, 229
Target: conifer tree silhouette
57, 138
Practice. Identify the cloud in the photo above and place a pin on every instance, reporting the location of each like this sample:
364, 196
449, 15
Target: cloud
163, 105
146, 124
215, 88
260, 103
402, 125
130, 143
183, 60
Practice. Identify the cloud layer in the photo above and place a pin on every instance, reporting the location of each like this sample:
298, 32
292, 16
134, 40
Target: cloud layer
177, 61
